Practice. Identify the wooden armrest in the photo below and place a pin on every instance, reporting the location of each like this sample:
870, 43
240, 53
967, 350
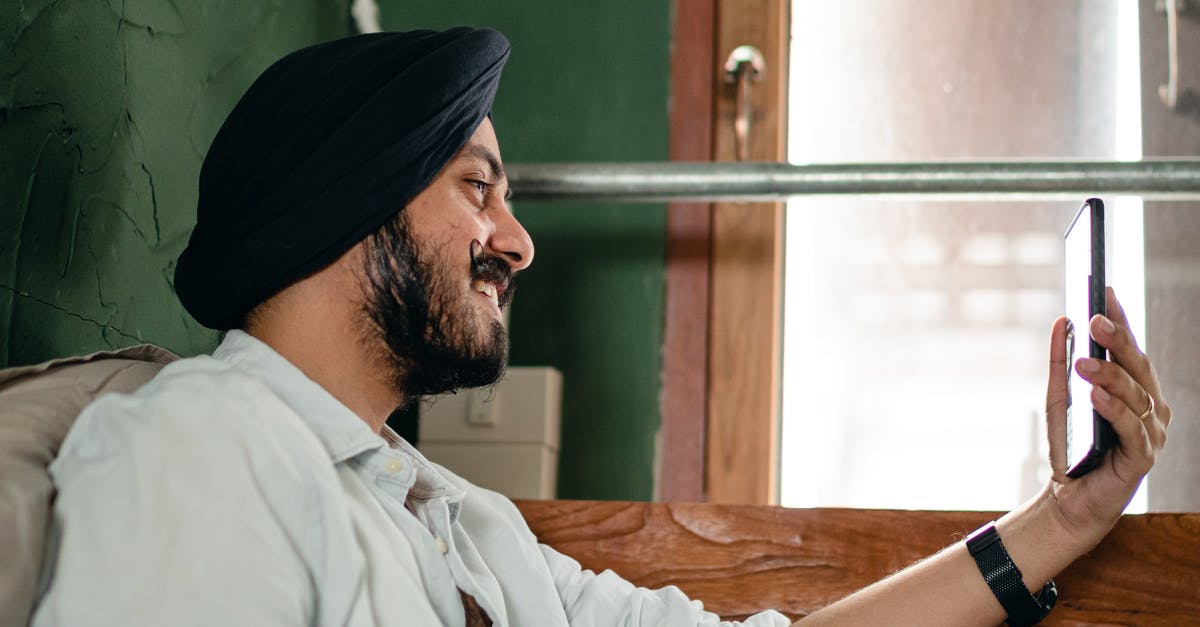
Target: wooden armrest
741, 559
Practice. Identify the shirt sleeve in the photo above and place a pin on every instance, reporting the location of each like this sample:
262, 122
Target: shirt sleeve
173, 513
605, 599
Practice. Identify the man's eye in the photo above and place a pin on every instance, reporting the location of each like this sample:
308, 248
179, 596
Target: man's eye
482, 186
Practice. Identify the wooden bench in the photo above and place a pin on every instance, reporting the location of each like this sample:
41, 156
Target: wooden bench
741, 559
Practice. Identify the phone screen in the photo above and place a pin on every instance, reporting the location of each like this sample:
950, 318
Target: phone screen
1089, 435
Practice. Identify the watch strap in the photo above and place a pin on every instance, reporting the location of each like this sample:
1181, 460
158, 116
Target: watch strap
1005, 581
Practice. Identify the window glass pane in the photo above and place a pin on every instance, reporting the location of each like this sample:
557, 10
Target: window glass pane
916, 333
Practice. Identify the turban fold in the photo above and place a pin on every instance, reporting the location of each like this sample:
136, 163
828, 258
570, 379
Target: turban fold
327, 145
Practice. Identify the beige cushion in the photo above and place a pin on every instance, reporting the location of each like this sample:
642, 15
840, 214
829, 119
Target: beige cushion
38, 405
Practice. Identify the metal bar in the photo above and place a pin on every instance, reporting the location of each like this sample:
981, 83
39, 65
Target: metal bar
1155, 179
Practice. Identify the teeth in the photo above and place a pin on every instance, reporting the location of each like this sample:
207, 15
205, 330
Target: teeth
486, 289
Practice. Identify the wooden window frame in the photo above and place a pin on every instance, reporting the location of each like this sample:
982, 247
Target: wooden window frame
722, 337
689, 238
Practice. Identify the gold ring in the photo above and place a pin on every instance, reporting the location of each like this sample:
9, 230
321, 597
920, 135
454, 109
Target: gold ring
1149, 408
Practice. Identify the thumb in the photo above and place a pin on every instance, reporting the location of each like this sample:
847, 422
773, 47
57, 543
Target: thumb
1058, 395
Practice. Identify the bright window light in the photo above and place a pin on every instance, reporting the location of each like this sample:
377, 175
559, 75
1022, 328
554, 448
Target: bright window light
915, 333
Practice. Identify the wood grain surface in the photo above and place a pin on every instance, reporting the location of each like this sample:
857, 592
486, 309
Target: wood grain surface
689, 239
740, 559
744, 354
747, 268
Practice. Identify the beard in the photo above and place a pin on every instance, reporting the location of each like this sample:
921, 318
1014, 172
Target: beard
433, 337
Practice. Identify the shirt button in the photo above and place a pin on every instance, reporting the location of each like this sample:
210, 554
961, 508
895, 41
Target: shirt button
441, 545
394, 465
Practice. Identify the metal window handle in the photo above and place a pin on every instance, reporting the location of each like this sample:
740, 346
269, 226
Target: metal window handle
745, 64
1169, 93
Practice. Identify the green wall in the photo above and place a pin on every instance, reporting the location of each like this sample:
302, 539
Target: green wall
587, 81
106, 110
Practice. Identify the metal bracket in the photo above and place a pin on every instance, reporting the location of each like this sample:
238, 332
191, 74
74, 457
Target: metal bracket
745, 64
1169, 92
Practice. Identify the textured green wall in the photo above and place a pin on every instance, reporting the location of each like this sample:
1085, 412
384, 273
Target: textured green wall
587, 81
106, 110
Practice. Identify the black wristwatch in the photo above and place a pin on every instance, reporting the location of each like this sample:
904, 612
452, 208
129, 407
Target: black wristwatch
1004, 578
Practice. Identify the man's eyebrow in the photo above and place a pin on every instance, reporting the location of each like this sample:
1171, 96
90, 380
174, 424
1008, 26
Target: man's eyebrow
483, 152
480, 151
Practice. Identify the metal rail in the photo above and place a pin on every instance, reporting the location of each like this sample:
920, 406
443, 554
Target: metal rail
1156, 179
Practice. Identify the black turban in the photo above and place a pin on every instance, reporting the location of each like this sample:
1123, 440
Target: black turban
328, 144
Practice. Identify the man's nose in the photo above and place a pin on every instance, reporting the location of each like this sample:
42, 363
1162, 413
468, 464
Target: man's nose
511, 241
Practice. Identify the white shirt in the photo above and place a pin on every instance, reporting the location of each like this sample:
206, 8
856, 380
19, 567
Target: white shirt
233, 490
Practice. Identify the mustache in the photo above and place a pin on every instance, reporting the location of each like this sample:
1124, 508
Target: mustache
492, 269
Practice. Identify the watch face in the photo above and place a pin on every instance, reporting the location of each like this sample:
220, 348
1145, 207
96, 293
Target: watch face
1048, 596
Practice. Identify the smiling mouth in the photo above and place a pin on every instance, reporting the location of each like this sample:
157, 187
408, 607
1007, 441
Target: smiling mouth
491, 276
487, 289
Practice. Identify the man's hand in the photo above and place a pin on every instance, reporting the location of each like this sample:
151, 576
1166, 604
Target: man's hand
1126, 392
1068, 518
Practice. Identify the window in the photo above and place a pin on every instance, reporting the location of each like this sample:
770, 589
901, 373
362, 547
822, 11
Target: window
915, 333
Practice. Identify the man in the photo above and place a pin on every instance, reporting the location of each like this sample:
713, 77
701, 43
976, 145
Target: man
354, 241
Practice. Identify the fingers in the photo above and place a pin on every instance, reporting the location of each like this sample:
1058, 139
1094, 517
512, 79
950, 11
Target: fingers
1126, 391
1116, 312
1137, 449
1112, 332
1120, 399
1116, 382
1058, 398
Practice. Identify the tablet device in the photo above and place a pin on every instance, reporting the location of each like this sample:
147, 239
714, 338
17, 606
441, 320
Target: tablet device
1089, 436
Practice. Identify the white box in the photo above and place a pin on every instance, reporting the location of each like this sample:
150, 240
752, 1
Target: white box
503, 437
518, 471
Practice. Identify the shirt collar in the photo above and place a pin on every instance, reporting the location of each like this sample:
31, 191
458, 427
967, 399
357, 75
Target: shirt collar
340, 430
430, 483
343, 434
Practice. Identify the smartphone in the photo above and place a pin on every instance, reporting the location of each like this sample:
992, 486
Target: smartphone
1089, 436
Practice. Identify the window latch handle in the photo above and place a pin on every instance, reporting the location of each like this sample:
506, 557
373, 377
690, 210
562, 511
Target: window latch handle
744, 65
1169, 92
